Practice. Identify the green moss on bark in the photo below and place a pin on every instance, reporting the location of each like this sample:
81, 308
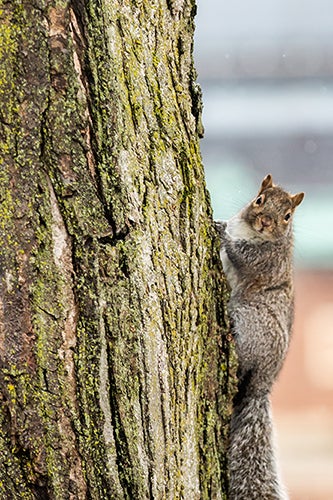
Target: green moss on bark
116, 368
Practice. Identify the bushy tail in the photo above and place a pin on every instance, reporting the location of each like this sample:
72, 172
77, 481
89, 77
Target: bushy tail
252, 463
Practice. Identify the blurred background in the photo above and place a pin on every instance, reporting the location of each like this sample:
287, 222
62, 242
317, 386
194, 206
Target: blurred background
266, 71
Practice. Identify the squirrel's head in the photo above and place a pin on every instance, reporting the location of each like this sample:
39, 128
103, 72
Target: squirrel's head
270, 214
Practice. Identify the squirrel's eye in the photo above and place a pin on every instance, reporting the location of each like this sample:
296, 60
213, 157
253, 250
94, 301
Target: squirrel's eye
259, 201
287, 216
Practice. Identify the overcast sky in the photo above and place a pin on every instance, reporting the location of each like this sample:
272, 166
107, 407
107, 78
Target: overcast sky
272, 21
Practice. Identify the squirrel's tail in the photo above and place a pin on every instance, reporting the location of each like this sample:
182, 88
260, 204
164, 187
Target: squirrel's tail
252, 463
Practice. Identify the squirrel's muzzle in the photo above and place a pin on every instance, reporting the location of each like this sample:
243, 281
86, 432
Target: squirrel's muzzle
266, 221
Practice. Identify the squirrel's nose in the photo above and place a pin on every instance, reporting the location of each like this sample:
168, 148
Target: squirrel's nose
266, 220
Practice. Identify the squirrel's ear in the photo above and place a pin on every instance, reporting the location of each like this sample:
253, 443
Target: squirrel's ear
266, 183
296, 199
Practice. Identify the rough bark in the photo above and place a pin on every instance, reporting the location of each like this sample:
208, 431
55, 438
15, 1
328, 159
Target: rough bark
114, 362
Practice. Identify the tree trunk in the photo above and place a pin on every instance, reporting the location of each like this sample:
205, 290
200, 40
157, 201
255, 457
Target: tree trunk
114, 362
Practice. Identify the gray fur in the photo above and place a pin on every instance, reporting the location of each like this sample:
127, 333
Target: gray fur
256, 252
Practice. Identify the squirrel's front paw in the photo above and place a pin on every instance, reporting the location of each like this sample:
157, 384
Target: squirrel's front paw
220, 226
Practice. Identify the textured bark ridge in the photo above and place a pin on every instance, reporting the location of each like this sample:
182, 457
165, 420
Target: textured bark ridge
114, 366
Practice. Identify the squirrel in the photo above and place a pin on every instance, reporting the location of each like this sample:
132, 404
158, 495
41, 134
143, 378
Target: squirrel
257, 257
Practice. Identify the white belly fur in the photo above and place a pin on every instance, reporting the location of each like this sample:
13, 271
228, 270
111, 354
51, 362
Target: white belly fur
237, 229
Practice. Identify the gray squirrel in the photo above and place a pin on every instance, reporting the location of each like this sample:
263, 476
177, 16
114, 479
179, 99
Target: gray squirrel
257, 257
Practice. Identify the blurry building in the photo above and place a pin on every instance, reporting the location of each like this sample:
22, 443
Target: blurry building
302, 400
266, 70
